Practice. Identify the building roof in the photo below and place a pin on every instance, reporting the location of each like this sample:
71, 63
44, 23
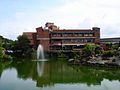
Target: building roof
113, 40
73, 30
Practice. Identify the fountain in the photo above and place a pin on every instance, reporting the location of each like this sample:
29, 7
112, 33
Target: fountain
40, 52
41, 59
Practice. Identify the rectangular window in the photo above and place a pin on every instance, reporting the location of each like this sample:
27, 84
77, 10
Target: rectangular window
91, 34
86, 35
56, 34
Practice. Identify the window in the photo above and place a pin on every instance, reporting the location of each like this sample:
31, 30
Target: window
67, 34
86, 34
56, 34
91, 34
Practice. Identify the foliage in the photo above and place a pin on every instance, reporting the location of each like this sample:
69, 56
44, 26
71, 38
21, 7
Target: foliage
3, 56
7, 43
76, 55
33, 53
0, 43
1, 50
60, 54
109, 53
23, 42
1, 53
112, 46
88, 50
22, 46
109, 45
98, 49
7, 57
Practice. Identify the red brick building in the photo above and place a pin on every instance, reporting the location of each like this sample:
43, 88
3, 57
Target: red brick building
54, 39
32, 37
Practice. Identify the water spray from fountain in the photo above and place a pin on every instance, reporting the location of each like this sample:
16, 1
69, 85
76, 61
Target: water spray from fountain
40, 53
41, 59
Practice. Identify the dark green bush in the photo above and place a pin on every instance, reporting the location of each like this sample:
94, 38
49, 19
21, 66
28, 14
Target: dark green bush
109, 53
7, 57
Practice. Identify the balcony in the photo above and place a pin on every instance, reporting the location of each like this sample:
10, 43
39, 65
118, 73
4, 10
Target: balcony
68, 48
56, 43
72, 35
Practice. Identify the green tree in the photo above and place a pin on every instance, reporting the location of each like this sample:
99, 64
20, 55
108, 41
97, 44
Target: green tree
109, 53
114, 47
77, 55
98, 49
23, 45
7, 43
1, 50
60, 54
88, 50
109, 45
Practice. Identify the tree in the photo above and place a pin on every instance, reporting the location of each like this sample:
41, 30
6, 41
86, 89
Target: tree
22, 45
88, 50
4, 46
1, 50
109, 45
109, 53
7, 43
76, 55
98, 49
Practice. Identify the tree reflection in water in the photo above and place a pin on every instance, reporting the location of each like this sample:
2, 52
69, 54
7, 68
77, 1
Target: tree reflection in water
59, 72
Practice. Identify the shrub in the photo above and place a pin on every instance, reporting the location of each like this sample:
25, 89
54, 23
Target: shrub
7, 57
1, 52
109, 53
89, 50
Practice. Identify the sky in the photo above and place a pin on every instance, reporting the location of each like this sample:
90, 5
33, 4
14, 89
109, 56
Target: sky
18, 16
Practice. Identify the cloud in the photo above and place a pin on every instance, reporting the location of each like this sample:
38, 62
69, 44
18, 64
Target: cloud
71, 14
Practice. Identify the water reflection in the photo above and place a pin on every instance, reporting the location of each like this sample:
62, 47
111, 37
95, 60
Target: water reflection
40, 68
57, 74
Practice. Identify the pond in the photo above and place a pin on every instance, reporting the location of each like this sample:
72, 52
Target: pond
56, 75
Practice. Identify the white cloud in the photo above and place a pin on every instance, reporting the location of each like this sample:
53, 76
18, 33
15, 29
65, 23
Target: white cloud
72, 14
19, 15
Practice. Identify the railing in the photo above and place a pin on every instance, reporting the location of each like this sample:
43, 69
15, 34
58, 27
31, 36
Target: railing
70, 43
73, 37
77, 50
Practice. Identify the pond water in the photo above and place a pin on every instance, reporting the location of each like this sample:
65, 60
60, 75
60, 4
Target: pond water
56, 75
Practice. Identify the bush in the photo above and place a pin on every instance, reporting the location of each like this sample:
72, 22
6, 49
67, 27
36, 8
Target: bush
76, 55
7, 57
88, 50
109, 53
1, 53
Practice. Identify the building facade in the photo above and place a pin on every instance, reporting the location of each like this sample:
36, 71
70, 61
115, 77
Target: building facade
110, 40
32, 38
54, 39
105, 42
